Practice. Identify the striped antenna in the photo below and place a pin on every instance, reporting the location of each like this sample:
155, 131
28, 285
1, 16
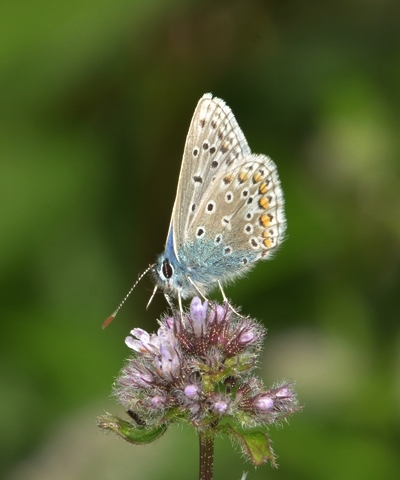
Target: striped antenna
111, 317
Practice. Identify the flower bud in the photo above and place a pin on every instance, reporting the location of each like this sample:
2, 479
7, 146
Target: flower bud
198, 313
263, 402
192, 391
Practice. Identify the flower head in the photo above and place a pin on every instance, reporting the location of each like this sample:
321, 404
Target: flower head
200, 364
199, 368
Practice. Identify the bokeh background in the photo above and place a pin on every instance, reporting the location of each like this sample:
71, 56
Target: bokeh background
96, 99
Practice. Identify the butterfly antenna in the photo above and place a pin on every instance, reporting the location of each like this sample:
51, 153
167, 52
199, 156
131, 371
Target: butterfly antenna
111, 317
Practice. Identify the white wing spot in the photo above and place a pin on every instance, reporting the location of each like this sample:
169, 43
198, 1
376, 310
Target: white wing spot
226, 221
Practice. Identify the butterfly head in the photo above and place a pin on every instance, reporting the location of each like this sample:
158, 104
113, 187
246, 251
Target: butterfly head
168, 275
168, 272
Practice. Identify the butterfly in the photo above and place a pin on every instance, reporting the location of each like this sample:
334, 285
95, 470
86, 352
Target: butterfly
228, 212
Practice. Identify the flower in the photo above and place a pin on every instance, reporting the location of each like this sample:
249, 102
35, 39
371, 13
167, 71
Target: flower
198, 368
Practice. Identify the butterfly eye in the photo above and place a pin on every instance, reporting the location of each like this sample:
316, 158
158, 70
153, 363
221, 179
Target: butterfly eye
167, 269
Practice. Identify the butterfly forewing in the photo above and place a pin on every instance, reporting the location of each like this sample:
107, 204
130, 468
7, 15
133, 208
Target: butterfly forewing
215, 144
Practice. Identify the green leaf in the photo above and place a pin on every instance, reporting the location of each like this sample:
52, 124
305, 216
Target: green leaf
255, 445
137, 435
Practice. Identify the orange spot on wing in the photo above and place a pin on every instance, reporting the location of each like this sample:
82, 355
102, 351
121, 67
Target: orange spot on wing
242, 177
227, 179
267, 242
263, 202
257, 177
264, 220
263, 188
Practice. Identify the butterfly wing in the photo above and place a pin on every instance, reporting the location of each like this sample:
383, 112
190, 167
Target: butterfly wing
229, 207
242, 213
214, 145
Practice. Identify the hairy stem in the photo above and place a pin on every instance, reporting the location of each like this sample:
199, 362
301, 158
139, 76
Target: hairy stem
206, 438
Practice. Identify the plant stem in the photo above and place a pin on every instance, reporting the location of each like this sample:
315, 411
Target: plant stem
206, 438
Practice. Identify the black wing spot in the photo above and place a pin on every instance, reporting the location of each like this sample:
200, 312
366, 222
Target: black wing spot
254, 242
218, 238
210, 207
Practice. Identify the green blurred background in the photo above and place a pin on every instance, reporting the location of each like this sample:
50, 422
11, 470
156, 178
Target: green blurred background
96, 100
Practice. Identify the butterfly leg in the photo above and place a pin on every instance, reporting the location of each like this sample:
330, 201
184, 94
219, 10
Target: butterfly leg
227, 301
152, 296
180, 304
197, 289
169, 301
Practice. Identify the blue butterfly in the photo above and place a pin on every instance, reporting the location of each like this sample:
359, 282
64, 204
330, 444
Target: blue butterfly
228, 212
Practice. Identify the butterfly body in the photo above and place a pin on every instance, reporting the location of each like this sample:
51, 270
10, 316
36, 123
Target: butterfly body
203, 262
228, 211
